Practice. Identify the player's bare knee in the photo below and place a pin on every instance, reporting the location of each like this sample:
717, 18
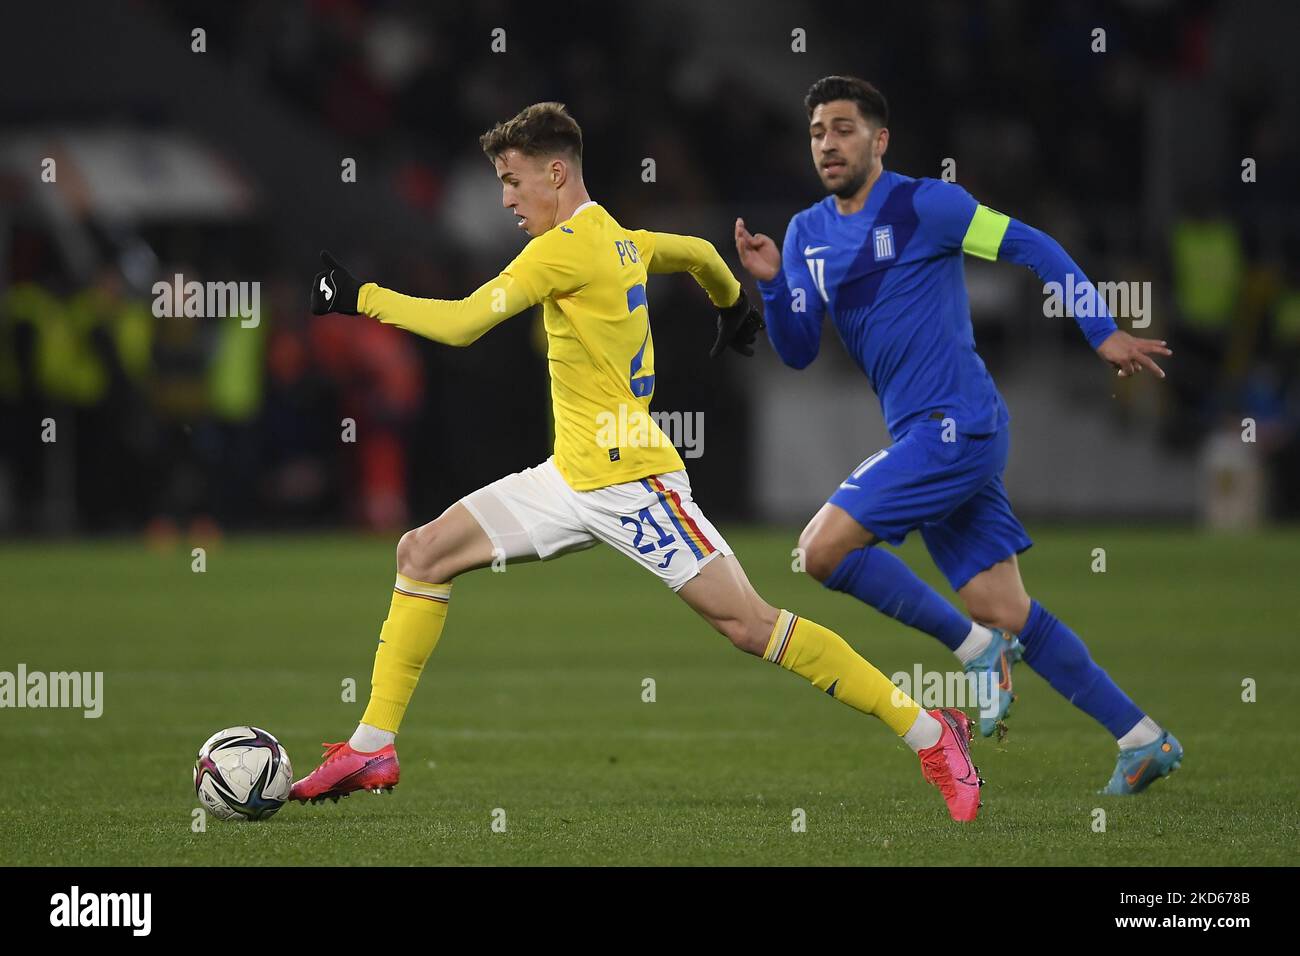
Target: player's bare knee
820, 557
407, 548
1007, 612
421, 555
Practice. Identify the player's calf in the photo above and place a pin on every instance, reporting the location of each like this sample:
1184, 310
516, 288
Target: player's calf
427, 559
723, 596
1060, 656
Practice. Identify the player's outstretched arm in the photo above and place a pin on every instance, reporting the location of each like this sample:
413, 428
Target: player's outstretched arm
791, 303
1035, 249
456, 322
738, 322
958, 221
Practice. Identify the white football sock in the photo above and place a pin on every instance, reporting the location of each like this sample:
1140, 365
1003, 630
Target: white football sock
924, 732
1145, 731
974, 645
367, 739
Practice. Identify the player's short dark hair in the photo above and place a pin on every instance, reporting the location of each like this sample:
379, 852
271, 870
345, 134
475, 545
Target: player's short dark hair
871, 102
543, 129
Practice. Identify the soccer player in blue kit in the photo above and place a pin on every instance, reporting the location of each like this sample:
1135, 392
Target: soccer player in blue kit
882, 254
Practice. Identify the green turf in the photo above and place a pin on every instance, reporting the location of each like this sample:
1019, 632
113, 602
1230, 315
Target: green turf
532, 704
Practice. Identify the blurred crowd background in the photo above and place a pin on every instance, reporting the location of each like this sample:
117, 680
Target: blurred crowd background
226, 165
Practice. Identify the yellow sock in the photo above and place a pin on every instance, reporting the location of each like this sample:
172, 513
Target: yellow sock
826, 659
408, 637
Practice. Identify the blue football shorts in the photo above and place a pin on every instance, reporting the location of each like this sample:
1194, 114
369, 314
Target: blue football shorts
951, 491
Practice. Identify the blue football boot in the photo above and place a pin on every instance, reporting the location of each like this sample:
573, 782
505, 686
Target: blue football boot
1139, 767
993, 667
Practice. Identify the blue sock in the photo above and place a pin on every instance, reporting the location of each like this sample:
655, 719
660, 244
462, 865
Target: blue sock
877, 577
1056, 652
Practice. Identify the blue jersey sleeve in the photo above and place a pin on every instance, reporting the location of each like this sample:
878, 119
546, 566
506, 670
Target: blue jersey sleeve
945, 211
1038, 251
793, 306
953, 220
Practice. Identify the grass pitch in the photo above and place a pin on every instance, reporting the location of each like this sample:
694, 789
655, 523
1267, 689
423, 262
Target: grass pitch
532, 706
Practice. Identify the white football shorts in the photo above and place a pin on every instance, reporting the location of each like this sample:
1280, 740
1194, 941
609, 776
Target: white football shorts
534, 514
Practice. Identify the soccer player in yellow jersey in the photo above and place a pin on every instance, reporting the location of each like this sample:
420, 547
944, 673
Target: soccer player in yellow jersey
626, 487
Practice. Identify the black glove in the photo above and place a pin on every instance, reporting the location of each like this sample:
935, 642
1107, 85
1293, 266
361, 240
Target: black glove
738, 326
335, 289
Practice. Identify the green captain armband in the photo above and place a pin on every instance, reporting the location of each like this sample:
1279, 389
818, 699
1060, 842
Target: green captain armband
984, 236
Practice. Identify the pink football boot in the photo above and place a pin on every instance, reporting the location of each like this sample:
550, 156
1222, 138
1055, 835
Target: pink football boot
343, 770
948, 766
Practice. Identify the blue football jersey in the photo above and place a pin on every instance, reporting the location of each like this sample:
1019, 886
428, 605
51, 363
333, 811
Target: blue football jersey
892, 279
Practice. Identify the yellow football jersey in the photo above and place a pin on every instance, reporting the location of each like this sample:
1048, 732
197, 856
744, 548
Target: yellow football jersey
590, 274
